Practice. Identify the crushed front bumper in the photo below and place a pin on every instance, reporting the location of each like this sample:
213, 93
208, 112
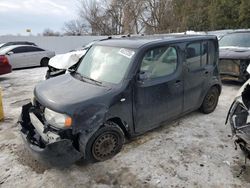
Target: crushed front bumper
46, 146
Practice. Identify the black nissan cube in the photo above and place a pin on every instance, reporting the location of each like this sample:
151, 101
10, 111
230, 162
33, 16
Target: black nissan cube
121, 89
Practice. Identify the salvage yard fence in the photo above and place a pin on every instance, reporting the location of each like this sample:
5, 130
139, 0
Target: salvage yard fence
57, 44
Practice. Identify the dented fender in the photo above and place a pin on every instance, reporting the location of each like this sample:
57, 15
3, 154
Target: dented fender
89, 118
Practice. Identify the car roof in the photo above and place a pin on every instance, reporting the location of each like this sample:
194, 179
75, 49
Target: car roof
8, 48
139, 41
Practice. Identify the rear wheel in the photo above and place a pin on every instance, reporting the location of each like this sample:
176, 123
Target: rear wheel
210, 101
105, 142
44, 62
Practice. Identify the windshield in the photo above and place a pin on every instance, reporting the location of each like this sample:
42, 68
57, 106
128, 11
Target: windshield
236, 40
106, 64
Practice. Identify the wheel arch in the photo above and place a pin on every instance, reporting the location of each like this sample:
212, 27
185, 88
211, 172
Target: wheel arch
218, 87
121, 124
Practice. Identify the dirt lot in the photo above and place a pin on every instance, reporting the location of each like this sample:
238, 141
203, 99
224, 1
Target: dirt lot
194, 151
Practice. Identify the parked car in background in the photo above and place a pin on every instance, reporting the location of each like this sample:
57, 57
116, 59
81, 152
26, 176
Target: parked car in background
5, 66
121, 88
2, 45
20, 56
235, 55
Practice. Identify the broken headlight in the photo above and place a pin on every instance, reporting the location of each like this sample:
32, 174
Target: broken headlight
57, 120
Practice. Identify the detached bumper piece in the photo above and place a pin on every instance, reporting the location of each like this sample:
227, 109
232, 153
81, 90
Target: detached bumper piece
240, 124
48, 147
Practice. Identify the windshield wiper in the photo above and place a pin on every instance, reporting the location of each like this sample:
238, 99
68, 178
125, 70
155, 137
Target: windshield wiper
85, 78
93, 80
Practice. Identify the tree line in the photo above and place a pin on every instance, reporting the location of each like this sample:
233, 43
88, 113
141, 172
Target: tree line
117, 17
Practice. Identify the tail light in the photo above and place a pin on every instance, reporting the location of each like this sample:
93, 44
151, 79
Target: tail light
4, 59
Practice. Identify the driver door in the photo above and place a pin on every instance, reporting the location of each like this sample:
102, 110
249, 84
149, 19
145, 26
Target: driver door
158, 95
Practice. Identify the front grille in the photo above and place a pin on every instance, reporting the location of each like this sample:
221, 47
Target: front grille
229, 66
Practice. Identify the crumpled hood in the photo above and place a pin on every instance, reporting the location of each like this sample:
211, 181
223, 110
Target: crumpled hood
65, 93
65, 61
234, 53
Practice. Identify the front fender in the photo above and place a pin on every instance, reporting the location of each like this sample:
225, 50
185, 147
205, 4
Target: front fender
89, 118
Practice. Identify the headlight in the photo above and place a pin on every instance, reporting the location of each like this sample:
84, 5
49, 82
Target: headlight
57, 120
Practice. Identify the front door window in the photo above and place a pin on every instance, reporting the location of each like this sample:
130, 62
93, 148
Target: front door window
159, 62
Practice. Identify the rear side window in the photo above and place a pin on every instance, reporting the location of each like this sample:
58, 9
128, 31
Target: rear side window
200, 54
26, 49
19, 50
34, 49
212, 52
204, 53
159, 62
193, 55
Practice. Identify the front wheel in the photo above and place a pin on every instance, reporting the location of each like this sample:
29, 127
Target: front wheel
44, 62
210, 101
105, 143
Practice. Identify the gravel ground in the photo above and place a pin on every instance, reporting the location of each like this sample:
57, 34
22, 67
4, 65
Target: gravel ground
194, 151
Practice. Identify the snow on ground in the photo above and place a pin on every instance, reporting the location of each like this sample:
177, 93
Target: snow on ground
194, 151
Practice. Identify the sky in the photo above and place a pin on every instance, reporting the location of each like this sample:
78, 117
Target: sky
18, 15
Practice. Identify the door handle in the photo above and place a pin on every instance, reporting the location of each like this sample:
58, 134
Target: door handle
177, 83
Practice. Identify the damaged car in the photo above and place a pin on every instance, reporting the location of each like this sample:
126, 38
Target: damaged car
121, 89
239, 119
59, 64
234, 56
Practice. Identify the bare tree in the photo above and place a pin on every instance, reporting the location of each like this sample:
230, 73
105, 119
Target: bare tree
94, 14
111, 17
157, 15
131, 19
75, 27
50, 32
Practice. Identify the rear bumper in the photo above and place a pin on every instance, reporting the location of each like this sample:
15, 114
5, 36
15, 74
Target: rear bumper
5, 69
60, 152
233, 69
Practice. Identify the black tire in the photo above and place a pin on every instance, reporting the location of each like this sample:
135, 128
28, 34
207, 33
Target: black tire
105, 143
44, 62
210, 101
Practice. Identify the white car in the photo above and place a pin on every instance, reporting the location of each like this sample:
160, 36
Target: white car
20, 56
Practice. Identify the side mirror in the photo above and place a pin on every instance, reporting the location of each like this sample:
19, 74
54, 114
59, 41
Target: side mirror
143, 75
10, 53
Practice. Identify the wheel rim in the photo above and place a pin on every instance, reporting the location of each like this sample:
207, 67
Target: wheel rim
211, 100
105, 146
